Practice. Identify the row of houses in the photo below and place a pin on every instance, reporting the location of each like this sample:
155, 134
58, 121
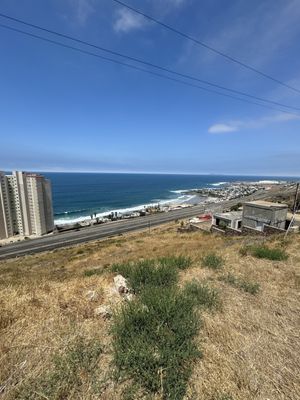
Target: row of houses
260, 216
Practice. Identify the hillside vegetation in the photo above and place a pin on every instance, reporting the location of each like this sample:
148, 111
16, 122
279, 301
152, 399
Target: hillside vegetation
209, 318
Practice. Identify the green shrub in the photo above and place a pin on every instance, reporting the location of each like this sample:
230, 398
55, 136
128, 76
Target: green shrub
275, 254
180, 262
212, 261
153, 341
249, 287
147, 273
202, 294
161, 272
153, 336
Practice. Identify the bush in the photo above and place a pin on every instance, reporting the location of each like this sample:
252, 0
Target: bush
249, 287
162, 272
274, 254
153, 341
147, 273
180, 262
212, 261
202, 295
153, 336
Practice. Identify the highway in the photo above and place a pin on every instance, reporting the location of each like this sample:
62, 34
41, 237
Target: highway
109, 229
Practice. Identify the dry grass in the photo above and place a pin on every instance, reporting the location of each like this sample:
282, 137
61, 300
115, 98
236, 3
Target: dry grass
250, 347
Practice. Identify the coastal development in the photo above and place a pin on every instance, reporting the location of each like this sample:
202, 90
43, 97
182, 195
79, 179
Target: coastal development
208, 205
204, 197
25, 205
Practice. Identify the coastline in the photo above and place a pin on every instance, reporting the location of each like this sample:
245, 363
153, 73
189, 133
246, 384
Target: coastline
183, 199
211, 193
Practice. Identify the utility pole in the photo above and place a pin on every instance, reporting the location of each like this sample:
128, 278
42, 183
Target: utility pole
296, 198
295, 209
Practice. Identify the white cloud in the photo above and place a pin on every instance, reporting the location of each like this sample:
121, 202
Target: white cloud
237, 125
82, 10
222, 128
127, 21
258, 38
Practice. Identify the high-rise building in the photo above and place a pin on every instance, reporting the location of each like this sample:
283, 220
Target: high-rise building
25, 205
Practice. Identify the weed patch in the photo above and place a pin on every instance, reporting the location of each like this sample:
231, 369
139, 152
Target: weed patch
153, 336
153, 341
274, 254
180, 262
212, 261
243, 284
202, 295
162, 272
71, 372
95, 271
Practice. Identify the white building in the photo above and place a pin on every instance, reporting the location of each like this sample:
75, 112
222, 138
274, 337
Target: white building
25, 205
232, 219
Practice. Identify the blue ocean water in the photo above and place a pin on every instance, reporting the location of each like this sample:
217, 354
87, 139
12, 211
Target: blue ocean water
78, 195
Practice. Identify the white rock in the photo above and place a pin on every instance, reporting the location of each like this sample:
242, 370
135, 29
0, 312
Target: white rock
121, 284
92, 295
103, 311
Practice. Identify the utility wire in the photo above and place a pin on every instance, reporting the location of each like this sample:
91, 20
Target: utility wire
200, 43
149, 64
134, 67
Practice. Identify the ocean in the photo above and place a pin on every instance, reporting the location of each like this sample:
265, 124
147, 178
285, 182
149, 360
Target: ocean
76, 196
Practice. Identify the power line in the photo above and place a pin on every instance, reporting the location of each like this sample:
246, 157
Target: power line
200, 43
149, 64
143, 70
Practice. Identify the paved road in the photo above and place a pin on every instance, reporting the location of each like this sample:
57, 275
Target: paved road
109, 229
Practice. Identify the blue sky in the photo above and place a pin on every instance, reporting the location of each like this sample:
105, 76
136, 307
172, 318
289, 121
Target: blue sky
64, 111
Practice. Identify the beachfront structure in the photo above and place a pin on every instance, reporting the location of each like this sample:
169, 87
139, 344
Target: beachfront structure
25, 205
225, 220
258, 213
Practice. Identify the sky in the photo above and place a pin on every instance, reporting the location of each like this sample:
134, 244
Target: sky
61, 110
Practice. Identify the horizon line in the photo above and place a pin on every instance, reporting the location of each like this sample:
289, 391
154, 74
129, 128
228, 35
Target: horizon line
154, 173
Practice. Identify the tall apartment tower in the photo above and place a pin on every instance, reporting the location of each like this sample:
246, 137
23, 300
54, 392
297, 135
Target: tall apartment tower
25, 205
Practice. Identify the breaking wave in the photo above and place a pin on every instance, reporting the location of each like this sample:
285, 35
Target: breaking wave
71, 219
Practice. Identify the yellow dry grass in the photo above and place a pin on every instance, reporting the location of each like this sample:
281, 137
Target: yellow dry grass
250, 346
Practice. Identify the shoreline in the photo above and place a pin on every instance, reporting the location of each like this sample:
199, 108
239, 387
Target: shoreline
213, 193
193, 199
